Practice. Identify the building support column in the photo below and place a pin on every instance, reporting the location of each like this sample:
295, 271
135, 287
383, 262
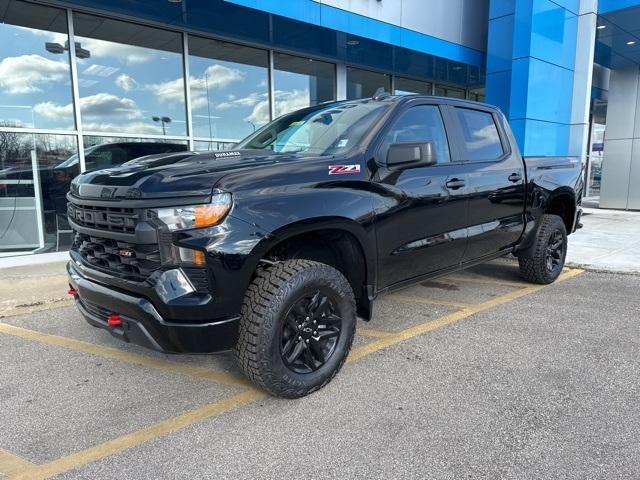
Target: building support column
539, 62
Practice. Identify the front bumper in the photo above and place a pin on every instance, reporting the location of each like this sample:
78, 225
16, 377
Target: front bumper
143, 325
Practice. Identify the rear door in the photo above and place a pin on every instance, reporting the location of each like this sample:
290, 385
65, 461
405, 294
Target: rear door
423, 227
495, 181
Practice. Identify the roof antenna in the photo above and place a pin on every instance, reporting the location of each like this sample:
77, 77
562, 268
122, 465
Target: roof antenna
380, 94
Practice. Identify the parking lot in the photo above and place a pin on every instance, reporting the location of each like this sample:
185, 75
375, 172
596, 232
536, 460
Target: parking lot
473, 375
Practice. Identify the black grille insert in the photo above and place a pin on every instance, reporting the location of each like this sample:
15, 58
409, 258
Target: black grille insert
124, 259
113, 219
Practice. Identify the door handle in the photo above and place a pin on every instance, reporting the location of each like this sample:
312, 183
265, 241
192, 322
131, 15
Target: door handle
515, 177
455, 183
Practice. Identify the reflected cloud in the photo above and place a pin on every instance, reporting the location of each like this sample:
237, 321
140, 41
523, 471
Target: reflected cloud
99, 105
126, 82
286, 101
28, 73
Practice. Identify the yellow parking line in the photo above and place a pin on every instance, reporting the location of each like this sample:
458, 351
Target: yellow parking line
485, 281
127, 357
12, 464
119, 444
451, 318
425, 300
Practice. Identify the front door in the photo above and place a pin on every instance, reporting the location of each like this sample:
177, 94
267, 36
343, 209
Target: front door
422, 227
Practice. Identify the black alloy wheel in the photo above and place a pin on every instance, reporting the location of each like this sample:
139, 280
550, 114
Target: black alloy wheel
555, 250
310, 332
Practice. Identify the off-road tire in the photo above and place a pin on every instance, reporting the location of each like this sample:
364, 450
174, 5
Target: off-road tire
533, 266
269, 297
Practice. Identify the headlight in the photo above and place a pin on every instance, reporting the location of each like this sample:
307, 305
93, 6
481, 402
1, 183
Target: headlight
196, 216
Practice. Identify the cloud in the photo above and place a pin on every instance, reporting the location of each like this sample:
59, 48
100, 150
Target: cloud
126, 82
215, 77
95, 106
248, 101
171, 91
286, 101
28, 73
129, 54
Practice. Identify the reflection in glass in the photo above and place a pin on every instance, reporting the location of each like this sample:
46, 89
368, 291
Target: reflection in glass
480, 133
229, 89
329, 129
105, 152
34, 67
408, 86
203, 146
33, 186
477, 94
130, 78
301, 82
363, 83
447, 91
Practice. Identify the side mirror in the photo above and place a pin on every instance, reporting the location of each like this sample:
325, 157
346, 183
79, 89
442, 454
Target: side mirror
407, 155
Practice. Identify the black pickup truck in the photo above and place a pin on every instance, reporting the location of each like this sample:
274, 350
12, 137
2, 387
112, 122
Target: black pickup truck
274, 248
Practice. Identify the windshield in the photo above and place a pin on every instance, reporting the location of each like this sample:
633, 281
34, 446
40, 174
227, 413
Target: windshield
73, 159
322, 130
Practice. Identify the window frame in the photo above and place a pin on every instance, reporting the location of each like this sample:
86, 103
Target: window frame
463, 153
381, 147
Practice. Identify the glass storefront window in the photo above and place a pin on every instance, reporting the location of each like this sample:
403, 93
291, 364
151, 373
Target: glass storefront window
301, 82
363, 83
34, 181
203, 146
105, 152
34, 67
229, 89
447, 91
477, 94
130, 78
408, 86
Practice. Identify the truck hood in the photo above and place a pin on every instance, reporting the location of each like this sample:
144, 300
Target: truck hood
183, 174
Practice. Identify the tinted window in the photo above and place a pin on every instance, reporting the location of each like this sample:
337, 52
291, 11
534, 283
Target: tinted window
419, 125
480, 134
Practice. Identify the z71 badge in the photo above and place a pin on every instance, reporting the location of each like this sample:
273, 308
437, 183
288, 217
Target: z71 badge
343, 169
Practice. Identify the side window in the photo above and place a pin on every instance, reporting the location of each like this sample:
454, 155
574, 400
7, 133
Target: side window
420, 124
480, 133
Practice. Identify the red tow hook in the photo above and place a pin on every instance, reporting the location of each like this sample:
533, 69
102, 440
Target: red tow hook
72, 291
114, 320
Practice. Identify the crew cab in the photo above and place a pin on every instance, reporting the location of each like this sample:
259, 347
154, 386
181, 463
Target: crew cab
272, 249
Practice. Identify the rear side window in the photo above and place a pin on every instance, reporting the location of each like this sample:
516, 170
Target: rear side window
480, 134
420, 124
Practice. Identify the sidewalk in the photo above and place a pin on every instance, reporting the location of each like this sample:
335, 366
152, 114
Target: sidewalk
609, 241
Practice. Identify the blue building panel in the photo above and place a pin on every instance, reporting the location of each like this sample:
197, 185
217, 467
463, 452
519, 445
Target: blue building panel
539, 84
500, 44
541, 91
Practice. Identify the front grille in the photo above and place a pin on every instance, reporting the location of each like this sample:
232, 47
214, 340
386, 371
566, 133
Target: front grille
133, 261
112, 219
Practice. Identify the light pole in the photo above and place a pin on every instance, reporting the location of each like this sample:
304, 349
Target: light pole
252, 124
163, 121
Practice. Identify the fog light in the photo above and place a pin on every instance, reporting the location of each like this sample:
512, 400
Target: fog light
173, 284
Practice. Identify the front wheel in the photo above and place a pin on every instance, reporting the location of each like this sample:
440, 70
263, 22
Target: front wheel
296, 328
545, 260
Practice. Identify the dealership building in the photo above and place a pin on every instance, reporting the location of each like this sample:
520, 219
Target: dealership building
86, 84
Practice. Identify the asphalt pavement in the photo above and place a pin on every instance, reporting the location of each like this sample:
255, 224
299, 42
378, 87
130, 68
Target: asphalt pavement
476, 375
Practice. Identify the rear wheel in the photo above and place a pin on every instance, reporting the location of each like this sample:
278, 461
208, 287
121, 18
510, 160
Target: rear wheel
545, 260
296, 328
